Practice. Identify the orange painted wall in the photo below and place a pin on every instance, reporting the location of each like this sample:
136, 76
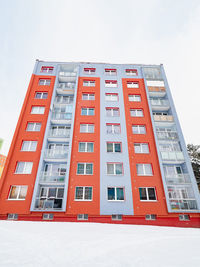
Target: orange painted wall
89, 207
140, 207
9, 177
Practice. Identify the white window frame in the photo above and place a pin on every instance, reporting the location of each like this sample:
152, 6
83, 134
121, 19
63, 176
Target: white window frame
114, 165
112, 111
89, 71
131, 72
87, 111
34, 126
47, 69
131, 84
24, 167
83, 194
138, 112
44, 81
111, 72
115, 187
19, 187
144, 172
142, 150
37, 109
41, 95
147, 194
111, 83
86, 147
113, 128
30, 143
84, 168
134, 98
139, 127
87, 127
89, 83
88, 96
112, 97
113, 146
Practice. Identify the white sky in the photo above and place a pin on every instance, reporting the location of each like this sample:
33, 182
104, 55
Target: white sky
115, 31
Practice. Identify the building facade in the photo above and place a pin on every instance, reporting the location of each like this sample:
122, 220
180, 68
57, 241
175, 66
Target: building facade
2, 163
101, 143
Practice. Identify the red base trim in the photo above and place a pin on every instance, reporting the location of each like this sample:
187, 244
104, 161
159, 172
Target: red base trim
194, 222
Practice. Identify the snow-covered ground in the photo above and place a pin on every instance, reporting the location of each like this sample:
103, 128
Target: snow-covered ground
25, 244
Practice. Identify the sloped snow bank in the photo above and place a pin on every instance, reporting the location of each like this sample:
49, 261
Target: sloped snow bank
28, 244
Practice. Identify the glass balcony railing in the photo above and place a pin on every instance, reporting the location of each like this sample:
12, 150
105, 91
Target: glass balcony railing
183, 204
157, 91
172, 155
56, 154
61, 116
159, 102
182, 178
64, 100
47, 177
166, 118
167, 135
62, 133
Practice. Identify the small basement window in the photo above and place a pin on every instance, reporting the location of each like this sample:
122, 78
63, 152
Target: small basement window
82, 217
116, 217
12, 216
184, 217
47, 216
150, 217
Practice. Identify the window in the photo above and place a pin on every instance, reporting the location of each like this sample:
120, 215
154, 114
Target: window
87, 111
18, 192
44, 81
134, 98
114, 168
112, 112
144, 169
110, 71
150, 217
86, 128
24, 167
89, 70
113, 128
115, 193
50, 198
33, 127
86, 147
12, 216
132, 72
47, 216
114, 147
86, 96
82, 217
132, 85
139, 129
141, 148
111, 97
85, 168
111, 83
89, 83
29, 146
41, 95
37, 110
184, 217
116, 217
46, 69
83, 193
147, 193
136, 113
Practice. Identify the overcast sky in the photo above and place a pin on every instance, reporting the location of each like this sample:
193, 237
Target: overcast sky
114, 31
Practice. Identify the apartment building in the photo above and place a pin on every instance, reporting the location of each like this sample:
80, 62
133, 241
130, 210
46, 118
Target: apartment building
99, 142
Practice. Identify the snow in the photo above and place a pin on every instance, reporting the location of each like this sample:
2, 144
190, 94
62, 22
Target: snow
89, 244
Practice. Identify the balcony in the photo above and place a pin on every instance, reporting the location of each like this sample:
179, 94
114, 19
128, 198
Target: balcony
183, 204
160, 104
52, 178
182, 178
67, 76
48, 204
167, 135
61, 135
163, 118
155, 91
65, 91
172, 156
61, 117
59, 155
64, 100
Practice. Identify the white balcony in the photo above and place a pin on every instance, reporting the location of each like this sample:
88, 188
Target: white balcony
182, 178
155, 91
61, 118
163, 118
172, 156
160, 104
65, 91
56, 155
67, 76
60, 135
52, 178
167, 135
